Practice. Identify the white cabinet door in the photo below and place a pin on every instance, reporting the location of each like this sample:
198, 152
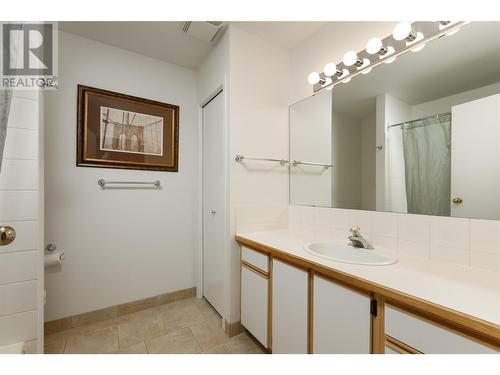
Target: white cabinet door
289, 309
341, 319
254, 304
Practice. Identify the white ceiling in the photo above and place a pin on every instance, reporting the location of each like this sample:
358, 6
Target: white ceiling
161, 40
166, 41
284, 34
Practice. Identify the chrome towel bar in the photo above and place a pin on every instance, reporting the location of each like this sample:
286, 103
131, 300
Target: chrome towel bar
326, 166
102, 183
240, 158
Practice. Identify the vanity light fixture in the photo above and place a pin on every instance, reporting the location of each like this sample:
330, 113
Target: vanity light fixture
315, 78
445, 24
453, 32
331, 70
404, 31
406, 37
351, 58
328, 83
365, 63
390, 51
375, 46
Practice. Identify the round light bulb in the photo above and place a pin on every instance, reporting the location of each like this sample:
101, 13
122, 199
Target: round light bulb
330, 69
402, 30
373, 46
313, 78
346, 80
328, 81
350, 58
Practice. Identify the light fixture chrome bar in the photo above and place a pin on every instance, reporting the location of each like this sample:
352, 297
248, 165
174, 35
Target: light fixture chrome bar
102, 183
431, 31
326, 166
240, 158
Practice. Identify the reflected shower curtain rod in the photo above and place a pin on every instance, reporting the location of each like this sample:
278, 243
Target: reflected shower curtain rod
421, 119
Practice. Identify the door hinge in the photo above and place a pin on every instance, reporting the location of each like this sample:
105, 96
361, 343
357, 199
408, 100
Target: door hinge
373, 307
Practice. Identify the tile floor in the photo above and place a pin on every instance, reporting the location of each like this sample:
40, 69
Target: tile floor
188, 326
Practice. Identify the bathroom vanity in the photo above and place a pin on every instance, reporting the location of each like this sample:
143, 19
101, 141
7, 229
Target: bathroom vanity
295, 302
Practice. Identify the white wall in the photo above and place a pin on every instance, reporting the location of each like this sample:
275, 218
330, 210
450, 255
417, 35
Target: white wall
368, 164
393, 191
259, 78
346, 150
21, 272
311, 141
443, 105
120, 245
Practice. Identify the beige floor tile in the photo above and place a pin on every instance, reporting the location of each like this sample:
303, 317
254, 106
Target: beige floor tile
104, 340
180, 315
138, 327
221, 349
54, 344
208, 335
242, 344
209, 312
178, 342
139, 348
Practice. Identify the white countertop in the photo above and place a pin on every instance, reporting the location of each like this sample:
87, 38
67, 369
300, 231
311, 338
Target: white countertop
470, 291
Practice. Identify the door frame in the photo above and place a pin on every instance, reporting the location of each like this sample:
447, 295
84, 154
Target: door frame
199, 276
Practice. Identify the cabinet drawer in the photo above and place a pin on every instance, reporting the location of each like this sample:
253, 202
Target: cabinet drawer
254, 304
427, 337
255, 258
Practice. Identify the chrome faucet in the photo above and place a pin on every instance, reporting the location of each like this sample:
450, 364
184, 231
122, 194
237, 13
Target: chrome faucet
357, 240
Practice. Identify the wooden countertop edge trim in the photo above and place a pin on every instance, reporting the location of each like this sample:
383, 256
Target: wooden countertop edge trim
475, 328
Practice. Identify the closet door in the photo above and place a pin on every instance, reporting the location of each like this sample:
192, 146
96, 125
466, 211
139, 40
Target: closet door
214, 202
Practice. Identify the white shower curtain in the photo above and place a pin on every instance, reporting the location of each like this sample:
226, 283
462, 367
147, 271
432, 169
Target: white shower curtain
427, 157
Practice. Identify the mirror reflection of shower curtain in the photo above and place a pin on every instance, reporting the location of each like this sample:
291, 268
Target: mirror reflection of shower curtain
427, 158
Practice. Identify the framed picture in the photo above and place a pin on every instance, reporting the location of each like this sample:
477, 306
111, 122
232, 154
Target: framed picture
122, 131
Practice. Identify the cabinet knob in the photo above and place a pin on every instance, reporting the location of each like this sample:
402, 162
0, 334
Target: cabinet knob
7, 235
457, 200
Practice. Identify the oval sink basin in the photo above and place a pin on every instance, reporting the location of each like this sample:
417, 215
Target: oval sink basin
349, 254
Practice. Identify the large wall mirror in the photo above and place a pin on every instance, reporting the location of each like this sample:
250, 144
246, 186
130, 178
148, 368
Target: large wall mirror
420, 135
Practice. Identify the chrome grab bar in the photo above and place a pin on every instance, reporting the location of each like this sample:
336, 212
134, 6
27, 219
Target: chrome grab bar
102, 183
240, 158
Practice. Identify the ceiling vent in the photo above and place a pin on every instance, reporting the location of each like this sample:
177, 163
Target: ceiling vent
206, 31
